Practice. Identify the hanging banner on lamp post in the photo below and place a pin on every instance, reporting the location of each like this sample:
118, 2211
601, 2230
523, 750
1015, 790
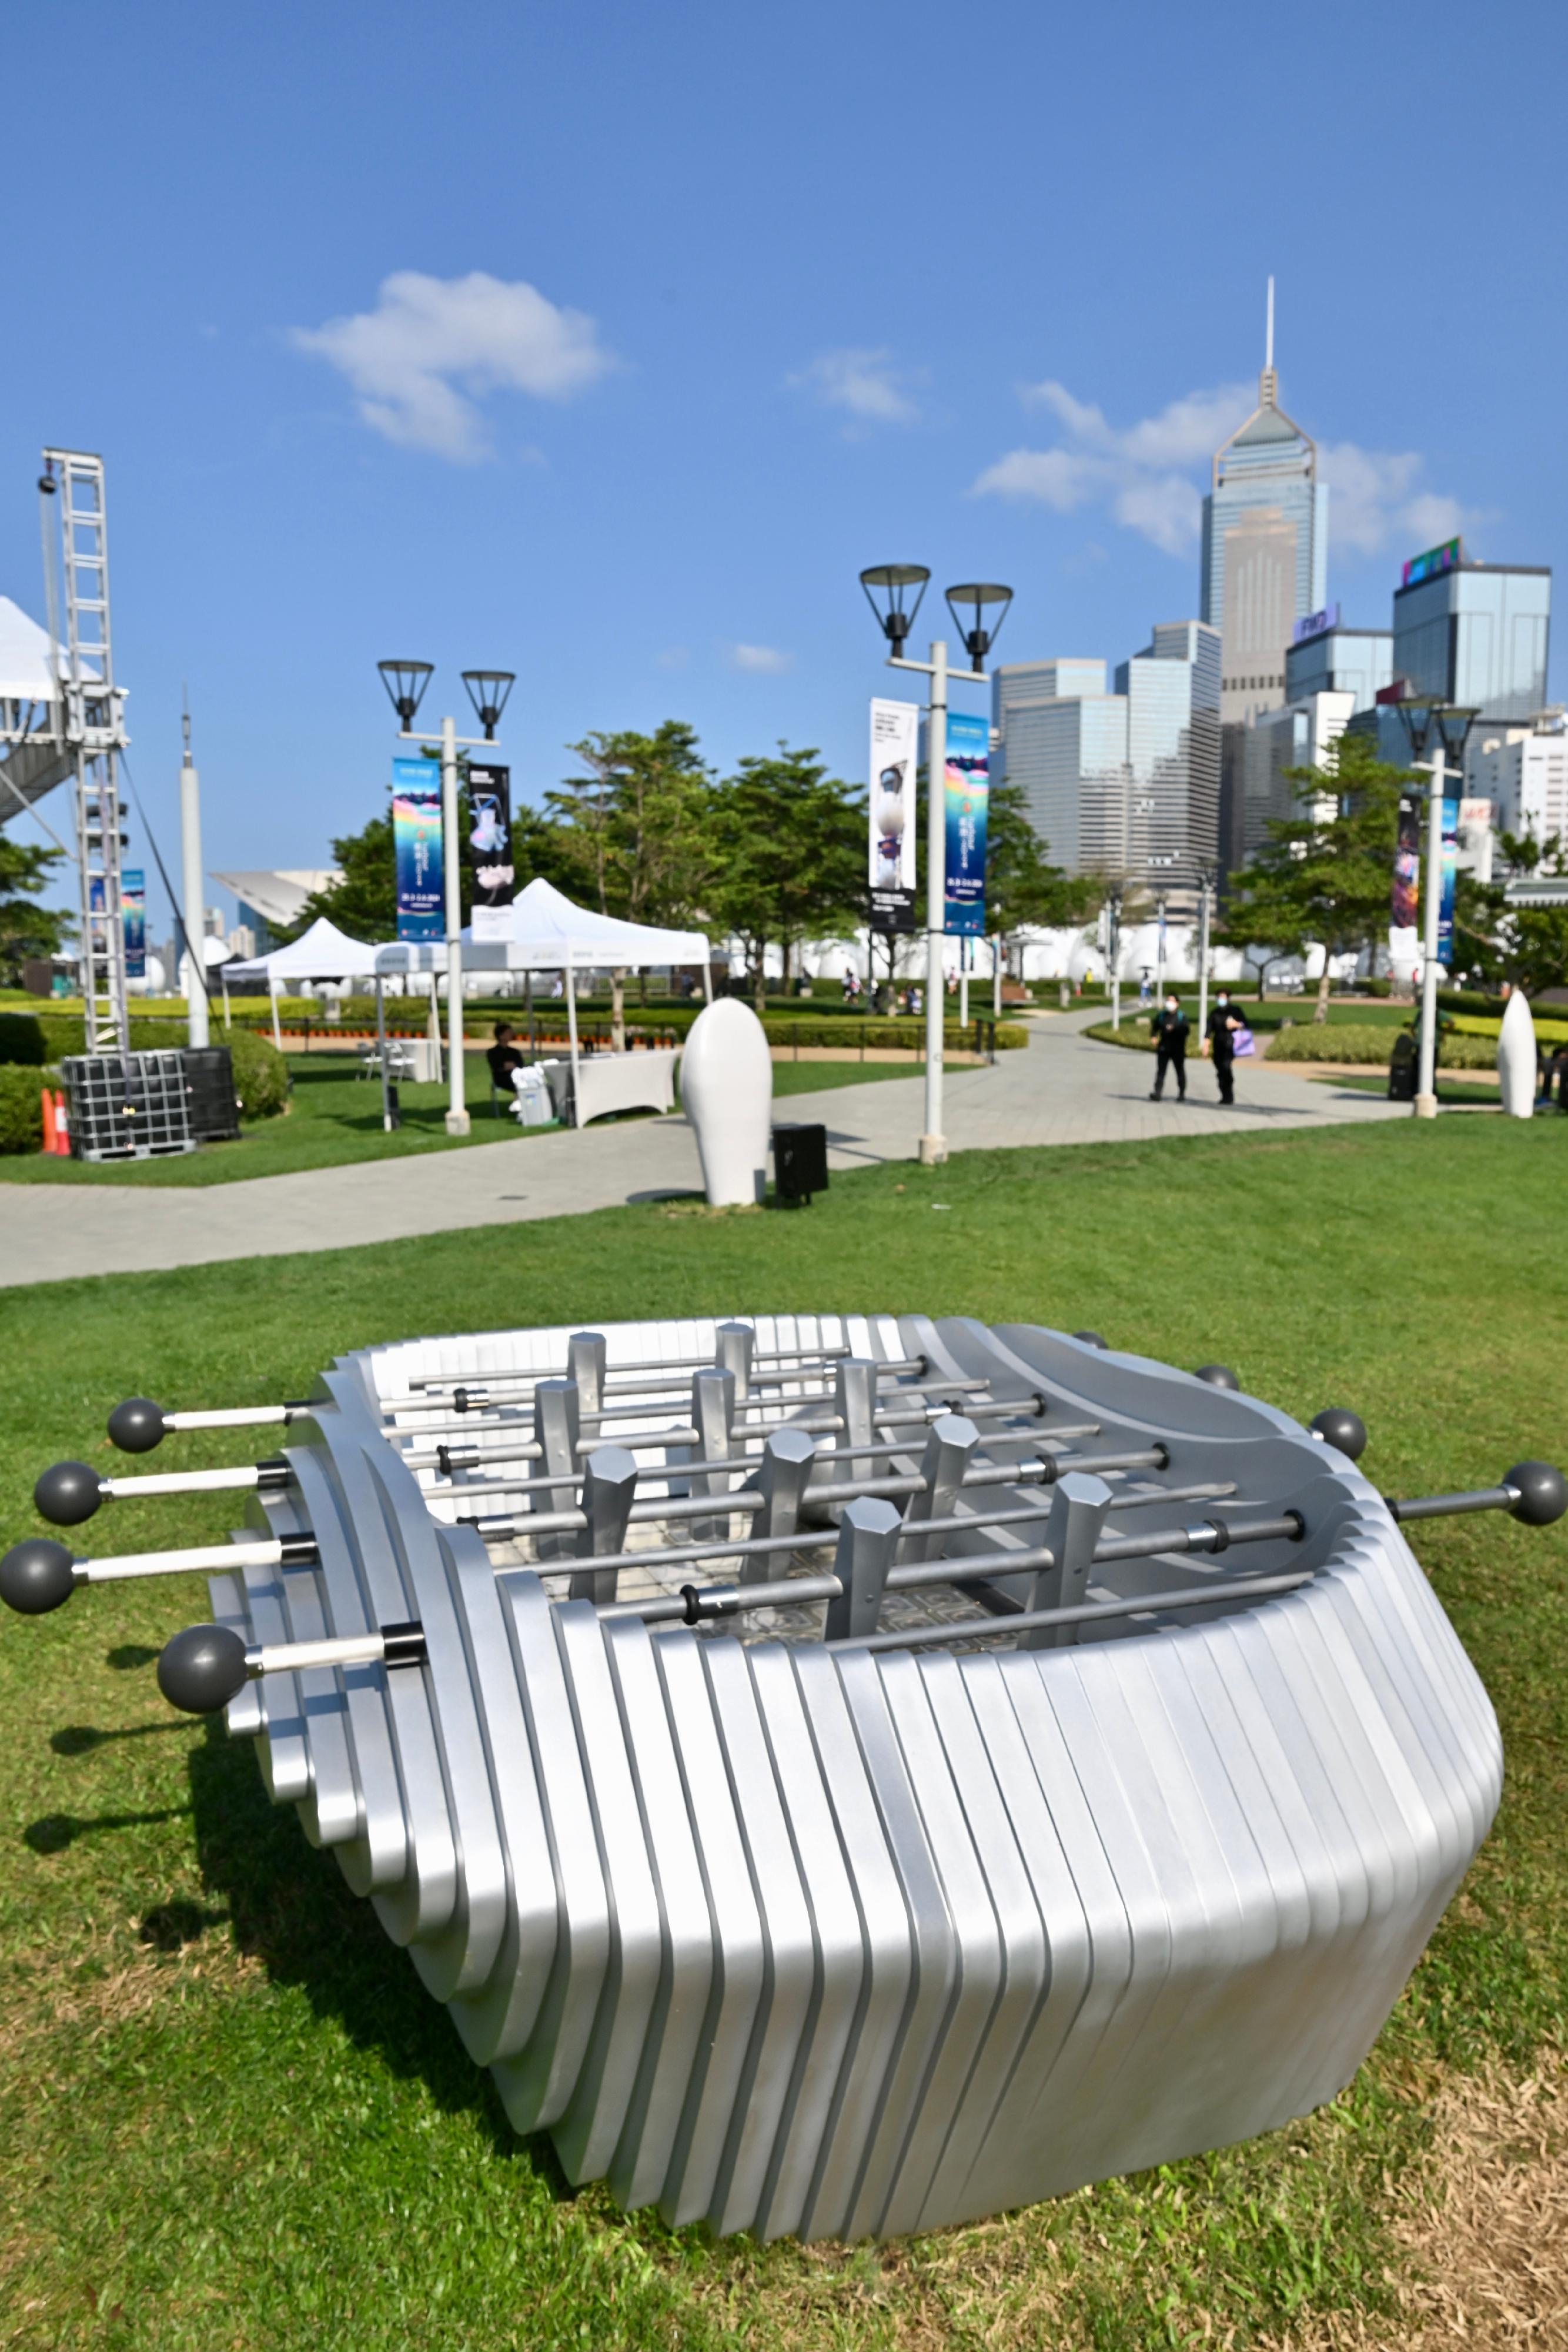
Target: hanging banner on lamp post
1446, 884
416, 842
488, 848
133, 915
891, 814
967, 792
1403, 899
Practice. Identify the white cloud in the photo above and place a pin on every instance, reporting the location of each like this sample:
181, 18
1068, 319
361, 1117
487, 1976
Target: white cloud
1151, 475
1377, 497
864, 384
764, 661
433, 346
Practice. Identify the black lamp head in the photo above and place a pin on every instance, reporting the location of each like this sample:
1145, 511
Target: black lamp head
988, 606
890, 584
406, 682
488, 691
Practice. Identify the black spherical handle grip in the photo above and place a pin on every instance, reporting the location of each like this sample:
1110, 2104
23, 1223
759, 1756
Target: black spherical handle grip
1543, 1492
37, 1575
1343, 1430
136, 1425
67, 1494
1093, 1339
1219, 1376
202, 1669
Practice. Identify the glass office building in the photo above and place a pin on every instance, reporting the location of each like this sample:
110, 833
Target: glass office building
1339, 660
1265, 551
1124, 782
1476, 635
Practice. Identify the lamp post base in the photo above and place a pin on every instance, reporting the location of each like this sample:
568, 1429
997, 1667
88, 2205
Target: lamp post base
933, 1150
1426, 1106
458, 1122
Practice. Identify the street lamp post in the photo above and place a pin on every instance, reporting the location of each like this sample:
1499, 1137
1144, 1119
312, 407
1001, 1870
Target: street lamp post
893, 580
488, 690
1114, 942
1452, 724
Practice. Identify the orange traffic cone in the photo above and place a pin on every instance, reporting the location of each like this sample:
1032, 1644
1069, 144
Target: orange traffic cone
47, 1102
62, 1128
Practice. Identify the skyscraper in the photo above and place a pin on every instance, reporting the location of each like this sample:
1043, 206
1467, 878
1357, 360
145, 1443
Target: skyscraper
1265, 546
1125, 784
1474, 634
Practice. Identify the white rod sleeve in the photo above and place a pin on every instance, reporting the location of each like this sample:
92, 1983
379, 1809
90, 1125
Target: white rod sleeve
176, 1563
246, 1416
181, 1482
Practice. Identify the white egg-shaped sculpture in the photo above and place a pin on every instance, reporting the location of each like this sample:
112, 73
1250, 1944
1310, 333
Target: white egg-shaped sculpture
727, 1092
1516, 1057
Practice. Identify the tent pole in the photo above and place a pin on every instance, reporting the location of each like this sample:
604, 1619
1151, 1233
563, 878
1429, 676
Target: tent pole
272, 991
381, 1052
528, 1000
224, 976
571, 1032
707, 977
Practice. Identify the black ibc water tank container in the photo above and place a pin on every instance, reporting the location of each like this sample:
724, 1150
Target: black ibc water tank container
210, 1093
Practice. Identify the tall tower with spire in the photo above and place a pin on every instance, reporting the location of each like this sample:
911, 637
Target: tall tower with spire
1265, 546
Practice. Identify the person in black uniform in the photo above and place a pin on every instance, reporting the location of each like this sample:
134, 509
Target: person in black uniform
1218, 1041
504, 1058
1170, 1027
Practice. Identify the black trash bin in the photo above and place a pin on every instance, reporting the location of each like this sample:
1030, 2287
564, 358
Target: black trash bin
799, 1161
209, 1092
1402, 1068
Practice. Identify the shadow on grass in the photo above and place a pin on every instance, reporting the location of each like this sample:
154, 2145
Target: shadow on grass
291, 1910
55, 1832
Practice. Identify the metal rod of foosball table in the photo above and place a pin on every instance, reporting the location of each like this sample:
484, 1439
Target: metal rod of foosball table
138, 1424
1086, 1612
70, 1492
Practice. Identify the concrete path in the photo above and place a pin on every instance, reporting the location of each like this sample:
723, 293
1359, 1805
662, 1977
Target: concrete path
1063, 1088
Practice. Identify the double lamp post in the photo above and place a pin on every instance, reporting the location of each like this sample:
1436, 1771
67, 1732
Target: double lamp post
1452, 723
406, 682
886, 587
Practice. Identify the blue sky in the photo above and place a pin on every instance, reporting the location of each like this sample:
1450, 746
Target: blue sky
607, 342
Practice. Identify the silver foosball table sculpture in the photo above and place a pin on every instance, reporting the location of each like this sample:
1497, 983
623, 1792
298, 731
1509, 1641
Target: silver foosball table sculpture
846, 1774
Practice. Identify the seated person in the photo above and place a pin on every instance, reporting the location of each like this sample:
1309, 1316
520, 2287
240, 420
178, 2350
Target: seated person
503, 1057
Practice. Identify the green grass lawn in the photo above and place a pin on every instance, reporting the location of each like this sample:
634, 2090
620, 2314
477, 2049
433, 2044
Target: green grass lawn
230, 2117
335, 1116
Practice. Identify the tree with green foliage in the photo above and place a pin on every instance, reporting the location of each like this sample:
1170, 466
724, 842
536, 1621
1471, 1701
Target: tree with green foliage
1325, 876
1527, 945
790, 855
27, 928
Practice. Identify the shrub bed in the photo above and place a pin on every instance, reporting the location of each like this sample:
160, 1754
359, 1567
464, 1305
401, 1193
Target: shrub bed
261, 1074
1352, 1041
22, 1040
21, 1108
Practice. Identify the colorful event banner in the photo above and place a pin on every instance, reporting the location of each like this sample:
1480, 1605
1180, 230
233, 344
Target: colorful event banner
1445, 889
416, 838
967, 794
892, 814
1404, 899
487, 848
133, 916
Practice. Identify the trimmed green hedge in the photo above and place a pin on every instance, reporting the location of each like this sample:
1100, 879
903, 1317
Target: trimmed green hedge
21, 1107
261, 1074
22, 1040
1339, 1041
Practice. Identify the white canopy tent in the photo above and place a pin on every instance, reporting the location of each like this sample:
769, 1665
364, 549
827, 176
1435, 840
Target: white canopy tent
323, 952
548, 933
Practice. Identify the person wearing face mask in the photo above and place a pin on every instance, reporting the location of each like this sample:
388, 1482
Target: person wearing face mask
1170, 1026
1219, 1042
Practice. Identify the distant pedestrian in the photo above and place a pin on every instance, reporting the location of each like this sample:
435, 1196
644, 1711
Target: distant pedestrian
1170, 1027
1220, 1044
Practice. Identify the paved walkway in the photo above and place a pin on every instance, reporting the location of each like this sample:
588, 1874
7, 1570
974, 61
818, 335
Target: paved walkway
1063, 1088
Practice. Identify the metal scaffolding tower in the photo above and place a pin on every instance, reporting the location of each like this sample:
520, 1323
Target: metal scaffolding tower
89, 722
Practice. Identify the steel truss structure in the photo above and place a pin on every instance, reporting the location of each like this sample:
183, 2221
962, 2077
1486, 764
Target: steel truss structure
846, 1774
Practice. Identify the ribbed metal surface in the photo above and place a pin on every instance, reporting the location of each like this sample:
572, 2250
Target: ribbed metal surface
794, 1937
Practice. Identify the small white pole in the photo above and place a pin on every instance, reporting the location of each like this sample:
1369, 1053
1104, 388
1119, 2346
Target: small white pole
272, 991
997, 977
1203, 959
457, 1121
964, 982
934, 1143
1426, 1104
571, 1032
381, 1052
195, 914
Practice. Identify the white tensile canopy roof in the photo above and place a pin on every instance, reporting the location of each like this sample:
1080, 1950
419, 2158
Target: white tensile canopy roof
323, 952
26, 668
547, 932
